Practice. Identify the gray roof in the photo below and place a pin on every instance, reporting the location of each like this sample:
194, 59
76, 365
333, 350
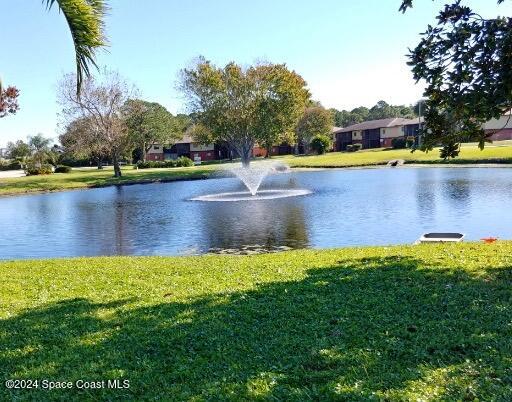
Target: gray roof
381, 123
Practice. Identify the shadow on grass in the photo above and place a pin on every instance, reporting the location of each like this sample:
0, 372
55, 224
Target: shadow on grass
381, 327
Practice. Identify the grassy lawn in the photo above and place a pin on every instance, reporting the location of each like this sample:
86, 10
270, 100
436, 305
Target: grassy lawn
395, 323
468, 154
84, 178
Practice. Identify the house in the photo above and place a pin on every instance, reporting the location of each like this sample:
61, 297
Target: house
499, 129
371, 134
184, 147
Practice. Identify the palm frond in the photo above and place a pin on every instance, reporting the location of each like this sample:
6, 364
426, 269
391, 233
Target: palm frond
86, 24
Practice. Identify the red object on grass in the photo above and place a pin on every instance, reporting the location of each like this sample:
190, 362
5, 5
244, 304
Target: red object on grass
488, 240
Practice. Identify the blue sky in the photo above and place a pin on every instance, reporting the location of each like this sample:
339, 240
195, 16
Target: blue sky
351, 53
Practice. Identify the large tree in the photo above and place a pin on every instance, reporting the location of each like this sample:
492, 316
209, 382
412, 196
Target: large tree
150, 123
466, 62
101, 102
19, 151
81, 139
315, 121
236, 105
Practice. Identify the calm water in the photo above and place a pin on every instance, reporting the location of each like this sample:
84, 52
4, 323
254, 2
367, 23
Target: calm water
347, 207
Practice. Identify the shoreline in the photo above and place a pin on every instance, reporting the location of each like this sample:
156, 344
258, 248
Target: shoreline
217, 173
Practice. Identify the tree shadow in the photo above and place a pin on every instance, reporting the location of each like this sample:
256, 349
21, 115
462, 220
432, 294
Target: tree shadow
368, 328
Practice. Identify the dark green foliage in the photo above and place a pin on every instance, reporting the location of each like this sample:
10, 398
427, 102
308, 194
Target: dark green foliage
14, 165
409, 142
381, 110
398, 143
407, 323
467, 62
449, 151
33, 169
182, 161
63, 169
320, 143
354, 147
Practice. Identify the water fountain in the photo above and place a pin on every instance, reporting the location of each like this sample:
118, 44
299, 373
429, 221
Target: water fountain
252, 177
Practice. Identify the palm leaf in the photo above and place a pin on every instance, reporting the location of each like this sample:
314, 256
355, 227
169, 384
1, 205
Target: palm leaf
85, 21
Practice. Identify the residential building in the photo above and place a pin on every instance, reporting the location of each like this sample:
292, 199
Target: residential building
500, 129
184, 147
371, 134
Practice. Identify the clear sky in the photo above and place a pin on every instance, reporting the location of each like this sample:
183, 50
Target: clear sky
351, 52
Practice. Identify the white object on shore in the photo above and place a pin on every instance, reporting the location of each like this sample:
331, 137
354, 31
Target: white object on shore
440, 238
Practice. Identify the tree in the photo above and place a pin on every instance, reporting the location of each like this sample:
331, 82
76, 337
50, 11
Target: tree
81, 140
150, 123
19, 151
320, 143
381, 110
315, 121
85, 22
230, 103
101, 102
466, 61
282, 106
8, 101
39, 148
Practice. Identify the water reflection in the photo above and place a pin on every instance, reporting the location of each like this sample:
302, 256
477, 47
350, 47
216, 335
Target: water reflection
347, 207
255, 224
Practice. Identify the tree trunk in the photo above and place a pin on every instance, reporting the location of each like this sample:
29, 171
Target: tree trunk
268, 147
246, 156
144, 153
117, 168
100, 165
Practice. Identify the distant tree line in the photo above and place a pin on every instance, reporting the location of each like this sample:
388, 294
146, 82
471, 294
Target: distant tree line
381, 110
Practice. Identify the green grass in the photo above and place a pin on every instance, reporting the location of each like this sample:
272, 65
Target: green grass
391, 323
469, 154
85, 178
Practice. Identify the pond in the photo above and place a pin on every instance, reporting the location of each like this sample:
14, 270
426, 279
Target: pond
346, 208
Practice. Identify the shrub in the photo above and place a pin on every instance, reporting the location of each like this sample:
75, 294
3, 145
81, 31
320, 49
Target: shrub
14, 165
410, 142
320, 143
36, 169
354, 147
398, 143
63, 169
183, 161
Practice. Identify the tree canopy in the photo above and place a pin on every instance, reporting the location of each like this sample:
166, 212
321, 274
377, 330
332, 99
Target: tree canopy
150, 123
100, 104
381, 110
466, 62
315, 121
241, 106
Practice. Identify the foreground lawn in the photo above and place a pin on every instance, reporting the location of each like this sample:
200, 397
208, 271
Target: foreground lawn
395, 323
469, 154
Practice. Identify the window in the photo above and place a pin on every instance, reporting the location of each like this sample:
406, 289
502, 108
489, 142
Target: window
383, 131
156, 147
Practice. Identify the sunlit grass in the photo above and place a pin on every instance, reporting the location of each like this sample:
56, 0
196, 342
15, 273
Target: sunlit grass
430, 322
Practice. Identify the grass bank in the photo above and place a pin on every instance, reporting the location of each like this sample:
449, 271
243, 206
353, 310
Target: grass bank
87, 178
395, 323
469, 154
